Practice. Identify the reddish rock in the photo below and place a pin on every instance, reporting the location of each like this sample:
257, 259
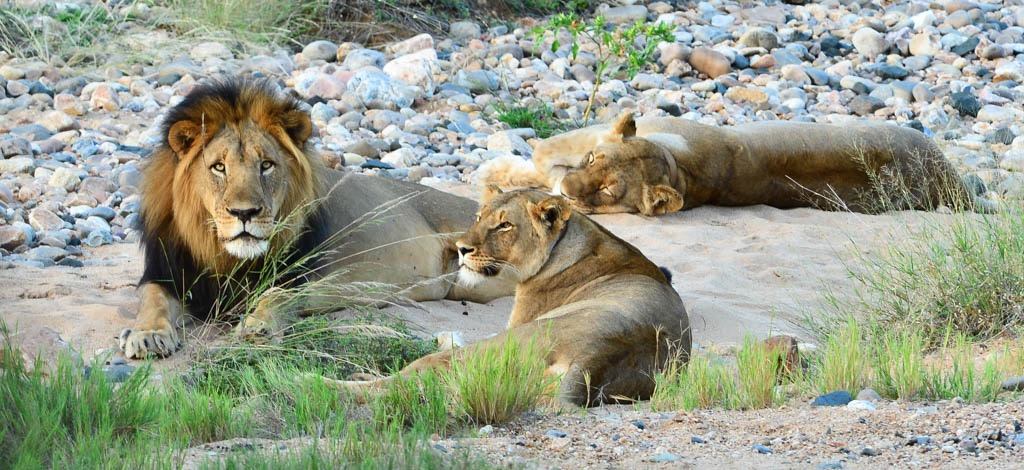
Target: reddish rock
789, 360
710, 62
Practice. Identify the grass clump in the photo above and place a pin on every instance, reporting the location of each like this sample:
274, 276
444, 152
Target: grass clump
700, 384
273, 22
758, 366
56, 33
419, 401
844, 361
965, 276
538, 116
495, 382
898, 364
315, 345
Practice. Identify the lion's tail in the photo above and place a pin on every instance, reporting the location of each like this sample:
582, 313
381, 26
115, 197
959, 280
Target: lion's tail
510, 172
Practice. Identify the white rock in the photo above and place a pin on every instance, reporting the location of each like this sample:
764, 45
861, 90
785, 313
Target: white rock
64, 178
417, 68
401, 158
320, 50
924, 44
861, 405
869, 43
210, 50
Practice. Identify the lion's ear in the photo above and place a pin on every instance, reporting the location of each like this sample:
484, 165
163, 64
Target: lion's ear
297, 125
182, 136
624, 127
550, 213
661, 199
490, 192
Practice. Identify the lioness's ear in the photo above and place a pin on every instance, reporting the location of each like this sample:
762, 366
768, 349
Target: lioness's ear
661, 199
550, 212
624, 127
490, 192
182, 136
297, 125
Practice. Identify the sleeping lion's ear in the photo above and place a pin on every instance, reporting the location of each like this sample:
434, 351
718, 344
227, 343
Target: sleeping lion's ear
182, 136
549, 213
490, 192
661, 199
297, 125
624, 127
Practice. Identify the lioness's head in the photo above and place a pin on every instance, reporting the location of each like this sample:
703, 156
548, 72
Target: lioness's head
232, 164
623, 173
514, 232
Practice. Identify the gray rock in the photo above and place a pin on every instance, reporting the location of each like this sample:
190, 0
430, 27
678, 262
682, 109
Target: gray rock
413, 44
965, 103
359, 58
759, 37
923, 93
374, 87
45, 253
861, 405
555, 433
648, 81
64, 178
830, 465
762, 449
320, 50
98, 238
33, 132
477, 81
322, 112
507, 141
868, 395
917, 62
13, 146
464, 31
210, 50
1014, 384
864, 105
996, 114
103, 212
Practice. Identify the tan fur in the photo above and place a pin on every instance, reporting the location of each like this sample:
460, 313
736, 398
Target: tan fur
659, 165
260, 137
601, 308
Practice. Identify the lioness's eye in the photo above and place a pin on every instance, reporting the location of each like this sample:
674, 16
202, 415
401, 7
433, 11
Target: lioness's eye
607, 190
590, 158
217, 167
504, 226
266, 165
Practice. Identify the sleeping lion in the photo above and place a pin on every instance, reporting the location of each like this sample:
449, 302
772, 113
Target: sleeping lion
608, 316
661, 164
234, 200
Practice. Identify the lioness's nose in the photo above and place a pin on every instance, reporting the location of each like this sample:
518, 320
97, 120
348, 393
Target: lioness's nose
245, 214
465, 250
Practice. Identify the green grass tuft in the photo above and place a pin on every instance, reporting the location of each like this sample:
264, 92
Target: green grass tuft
701, 383
539, 117
758, 367
844, 361
496, 382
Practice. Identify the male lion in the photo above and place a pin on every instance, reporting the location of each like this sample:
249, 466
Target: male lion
608, 316
234, 169
659, 165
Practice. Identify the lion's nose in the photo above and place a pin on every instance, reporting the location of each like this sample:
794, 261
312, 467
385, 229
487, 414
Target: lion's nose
245, 214
465, 250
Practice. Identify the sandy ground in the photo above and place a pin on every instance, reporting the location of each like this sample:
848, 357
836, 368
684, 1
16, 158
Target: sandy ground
752, 270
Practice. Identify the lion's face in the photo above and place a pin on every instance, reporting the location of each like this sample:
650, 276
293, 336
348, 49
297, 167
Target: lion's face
631, 175
514, 233
241, 178
231, 173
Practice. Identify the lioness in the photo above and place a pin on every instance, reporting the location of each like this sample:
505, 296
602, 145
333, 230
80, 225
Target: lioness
659, 165
601, 308
233, 169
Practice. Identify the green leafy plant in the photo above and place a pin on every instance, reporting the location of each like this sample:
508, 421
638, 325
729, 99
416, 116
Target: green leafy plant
539, 117
625, 50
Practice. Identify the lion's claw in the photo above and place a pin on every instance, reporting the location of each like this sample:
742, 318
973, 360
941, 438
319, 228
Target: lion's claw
138, 344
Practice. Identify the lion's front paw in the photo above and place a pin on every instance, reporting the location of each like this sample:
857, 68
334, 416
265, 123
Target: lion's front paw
138, 344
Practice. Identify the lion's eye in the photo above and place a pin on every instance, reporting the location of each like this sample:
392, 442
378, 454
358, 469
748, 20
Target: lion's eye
607, 190
217, 167
504, 226
590, 158
267, 165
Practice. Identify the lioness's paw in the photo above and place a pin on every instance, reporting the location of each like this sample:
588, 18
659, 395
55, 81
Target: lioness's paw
138, 344
254, 328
